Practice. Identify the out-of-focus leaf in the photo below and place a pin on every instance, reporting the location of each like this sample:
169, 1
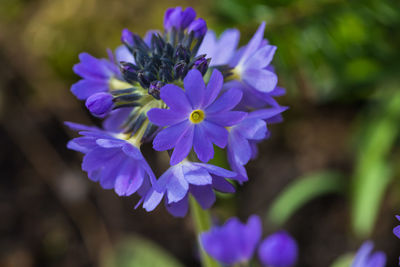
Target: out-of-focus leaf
373, 173
343, 261
302, 191
138, 252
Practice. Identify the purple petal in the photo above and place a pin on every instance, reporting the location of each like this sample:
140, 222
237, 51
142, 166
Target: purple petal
194, 88
227, 44
178, 209
183, 146
175, 98
396, 231
254, 129
226, 119
204, 195
196, 175
260, 79
253, 44
132, 151
152, 199
177, 186
80, 127
267, 113
222, 185
123, 54
85, 88
167, 138
98, 157
202, 145
165, 117
225, 102
213, 87
240, 147
217, 134
262, 58
129, 179
251, 236
110, 143
216, 170
114, 121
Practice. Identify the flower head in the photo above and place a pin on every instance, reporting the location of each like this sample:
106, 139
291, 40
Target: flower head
196, 117
234, 242
112, 161
365, 257
278, 250
198, 179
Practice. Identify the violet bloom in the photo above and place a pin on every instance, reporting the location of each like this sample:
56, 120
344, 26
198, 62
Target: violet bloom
365, 257
99, 75
196, 117
234, 242
244, 135
198, 179
278, 250
114, 162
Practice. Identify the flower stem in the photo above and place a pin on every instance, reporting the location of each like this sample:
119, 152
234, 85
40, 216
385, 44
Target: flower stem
202, 222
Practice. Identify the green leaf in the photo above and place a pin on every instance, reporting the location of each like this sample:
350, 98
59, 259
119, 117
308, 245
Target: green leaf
344, 260
373, 172
302, 191
136, 251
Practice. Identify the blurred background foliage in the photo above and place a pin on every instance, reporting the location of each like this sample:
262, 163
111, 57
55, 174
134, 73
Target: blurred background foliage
329, 174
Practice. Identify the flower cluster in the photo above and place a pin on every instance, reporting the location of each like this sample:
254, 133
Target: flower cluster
185, 91
235, 243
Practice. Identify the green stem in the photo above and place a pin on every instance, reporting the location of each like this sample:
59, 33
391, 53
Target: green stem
202, 222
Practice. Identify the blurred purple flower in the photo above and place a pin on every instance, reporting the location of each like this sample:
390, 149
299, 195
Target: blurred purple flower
365, 257
196, 117
234, 242
278, 250
396, 230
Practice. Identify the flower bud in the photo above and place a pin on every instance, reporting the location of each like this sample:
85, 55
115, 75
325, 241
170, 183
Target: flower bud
180, 20
198, 27
278, 250
100, 104
127, 38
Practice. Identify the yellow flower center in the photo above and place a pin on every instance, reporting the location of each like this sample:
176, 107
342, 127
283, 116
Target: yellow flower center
197, 116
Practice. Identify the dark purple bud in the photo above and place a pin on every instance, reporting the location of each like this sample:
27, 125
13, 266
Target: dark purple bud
278, 250
178, 19
129, 71
201, 64
180, 69
155, 88
127, 38
198, 27
100, 104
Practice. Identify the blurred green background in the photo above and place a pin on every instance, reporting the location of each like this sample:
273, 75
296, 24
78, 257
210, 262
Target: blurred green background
329, 174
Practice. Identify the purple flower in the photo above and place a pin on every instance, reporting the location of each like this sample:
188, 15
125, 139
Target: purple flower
99, 75
365, 257
278, 250
198, 179
396, 230
196, 117
112, 160
234, 242
100, 104
251, 68
178, 18
244, 135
